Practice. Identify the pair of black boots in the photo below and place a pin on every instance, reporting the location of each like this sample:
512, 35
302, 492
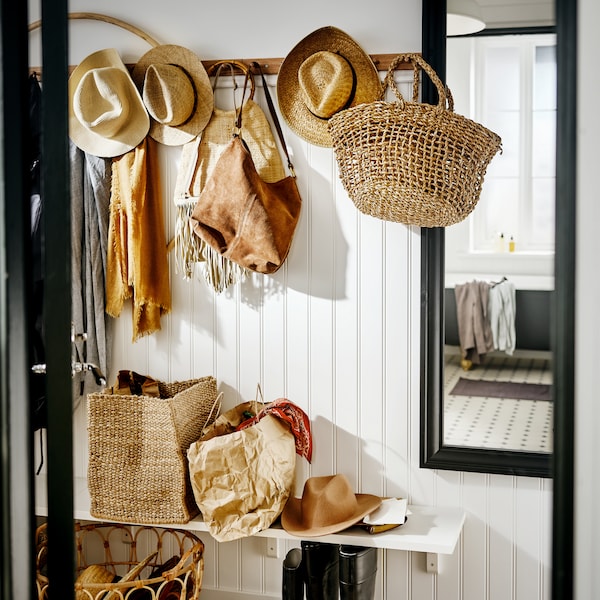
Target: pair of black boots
329, 572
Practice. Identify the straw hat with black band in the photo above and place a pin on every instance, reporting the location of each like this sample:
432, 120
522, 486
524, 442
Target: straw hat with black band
327, 505
324, 73
107, 116
176, 91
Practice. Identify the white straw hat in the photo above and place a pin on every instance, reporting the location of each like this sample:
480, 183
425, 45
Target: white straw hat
107, 116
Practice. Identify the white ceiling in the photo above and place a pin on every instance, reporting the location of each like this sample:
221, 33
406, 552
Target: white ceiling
517, 13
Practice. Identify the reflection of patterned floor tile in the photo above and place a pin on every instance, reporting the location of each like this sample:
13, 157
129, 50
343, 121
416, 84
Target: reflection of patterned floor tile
504, 424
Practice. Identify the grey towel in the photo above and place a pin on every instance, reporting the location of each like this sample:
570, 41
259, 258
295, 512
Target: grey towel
474, 332
90, 197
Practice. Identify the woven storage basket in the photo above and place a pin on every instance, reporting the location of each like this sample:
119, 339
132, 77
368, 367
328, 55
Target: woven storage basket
112, 550
138, 470
411, 162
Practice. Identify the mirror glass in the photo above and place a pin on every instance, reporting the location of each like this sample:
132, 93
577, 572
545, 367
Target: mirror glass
523, 190
499, 262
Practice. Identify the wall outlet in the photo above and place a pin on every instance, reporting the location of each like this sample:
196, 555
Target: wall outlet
273, 549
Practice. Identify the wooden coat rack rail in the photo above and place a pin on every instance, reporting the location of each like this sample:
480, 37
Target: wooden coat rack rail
269, 66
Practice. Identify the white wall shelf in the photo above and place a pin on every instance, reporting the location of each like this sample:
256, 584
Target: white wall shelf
433, 530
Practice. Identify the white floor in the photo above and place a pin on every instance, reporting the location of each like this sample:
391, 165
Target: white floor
498, 423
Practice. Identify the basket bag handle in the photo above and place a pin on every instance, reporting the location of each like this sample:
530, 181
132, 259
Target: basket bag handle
445, 100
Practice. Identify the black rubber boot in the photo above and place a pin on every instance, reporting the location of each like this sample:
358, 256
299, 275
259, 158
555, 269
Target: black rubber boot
292, 583
320, 570
358, 567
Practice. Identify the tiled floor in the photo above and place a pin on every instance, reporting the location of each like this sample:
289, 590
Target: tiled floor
498, 423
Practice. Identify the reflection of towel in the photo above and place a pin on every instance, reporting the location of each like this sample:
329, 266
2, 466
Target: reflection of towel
502, 309
137, 265
474, 331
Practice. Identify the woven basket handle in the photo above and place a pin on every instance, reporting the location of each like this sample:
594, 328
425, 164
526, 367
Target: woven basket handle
445, 97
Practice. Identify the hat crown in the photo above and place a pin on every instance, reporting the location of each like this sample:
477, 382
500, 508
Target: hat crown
327, 500
169, 94
327, 81
101, 101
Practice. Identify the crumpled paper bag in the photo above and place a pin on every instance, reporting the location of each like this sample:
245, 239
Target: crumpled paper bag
242, 480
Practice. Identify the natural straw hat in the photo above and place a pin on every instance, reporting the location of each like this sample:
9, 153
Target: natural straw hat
107, 116
176, 91
324, 73
328, 505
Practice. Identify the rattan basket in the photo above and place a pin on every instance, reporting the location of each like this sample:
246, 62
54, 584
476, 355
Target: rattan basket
137, 469
411, 162
174, 572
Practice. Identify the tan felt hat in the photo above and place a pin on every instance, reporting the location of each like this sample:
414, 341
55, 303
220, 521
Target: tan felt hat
328, 505
107, 116
324, 73
176, 91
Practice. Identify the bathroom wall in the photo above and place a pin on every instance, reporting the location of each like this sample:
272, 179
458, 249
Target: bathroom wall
336, 330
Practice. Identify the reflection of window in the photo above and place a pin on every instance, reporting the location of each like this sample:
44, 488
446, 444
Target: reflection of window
508, 83
516, 97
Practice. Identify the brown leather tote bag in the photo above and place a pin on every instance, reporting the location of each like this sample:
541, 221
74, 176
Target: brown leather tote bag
244, 218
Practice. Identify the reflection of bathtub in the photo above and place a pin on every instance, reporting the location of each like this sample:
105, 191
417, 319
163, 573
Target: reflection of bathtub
532, 319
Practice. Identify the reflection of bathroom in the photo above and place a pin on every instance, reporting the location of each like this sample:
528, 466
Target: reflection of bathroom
499, 261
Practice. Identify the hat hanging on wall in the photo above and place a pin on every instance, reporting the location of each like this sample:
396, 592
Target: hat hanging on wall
107, 116
328, 505
176, 91
324, 73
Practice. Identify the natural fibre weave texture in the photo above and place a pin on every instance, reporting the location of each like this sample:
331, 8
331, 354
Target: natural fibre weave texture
410, 162
138, 469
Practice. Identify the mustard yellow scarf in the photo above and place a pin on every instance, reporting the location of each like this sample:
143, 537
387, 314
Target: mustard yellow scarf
137, 264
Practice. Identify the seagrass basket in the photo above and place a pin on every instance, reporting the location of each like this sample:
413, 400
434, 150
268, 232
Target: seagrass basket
124, 562
137, 464
412, 162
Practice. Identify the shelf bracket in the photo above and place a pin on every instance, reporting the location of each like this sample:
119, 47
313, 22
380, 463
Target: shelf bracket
432, 562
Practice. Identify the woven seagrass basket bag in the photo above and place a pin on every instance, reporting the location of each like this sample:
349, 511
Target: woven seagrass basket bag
412, 162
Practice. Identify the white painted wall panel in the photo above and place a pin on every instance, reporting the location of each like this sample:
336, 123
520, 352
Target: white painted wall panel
336, 330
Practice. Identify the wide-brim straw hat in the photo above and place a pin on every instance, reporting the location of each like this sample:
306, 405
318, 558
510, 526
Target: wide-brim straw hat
327, 505
107, 116
324, 73
176, 91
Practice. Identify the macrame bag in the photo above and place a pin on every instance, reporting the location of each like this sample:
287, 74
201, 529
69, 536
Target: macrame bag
239, 214
198, 160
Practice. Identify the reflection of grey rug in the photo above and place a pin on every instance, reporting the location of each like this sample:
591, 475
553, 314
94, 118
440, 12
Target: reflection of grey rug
502, 389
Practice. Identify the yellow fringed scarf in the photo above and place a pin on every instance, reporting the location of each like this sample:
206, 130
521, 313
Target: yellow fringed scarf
137, 265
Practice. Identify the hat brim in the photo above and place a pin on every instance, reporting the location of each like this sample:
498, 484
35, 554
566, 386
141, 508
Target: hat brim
178, 55
139, 121
291, 517
289, 93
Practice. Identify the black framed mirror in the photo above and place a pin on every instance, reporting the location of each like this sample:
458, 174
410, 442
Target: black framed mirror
435, 453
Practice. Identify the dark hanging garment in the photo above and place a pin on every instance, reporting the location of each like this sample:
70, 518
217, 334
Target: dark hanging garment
37, 385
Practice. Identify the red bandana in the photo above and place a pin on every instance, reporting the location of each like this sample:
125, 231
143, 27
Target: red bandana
294, 416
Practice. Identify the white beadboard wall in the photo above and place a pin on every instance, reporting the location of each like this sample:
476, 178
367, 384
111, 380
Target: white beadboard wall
336, 330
